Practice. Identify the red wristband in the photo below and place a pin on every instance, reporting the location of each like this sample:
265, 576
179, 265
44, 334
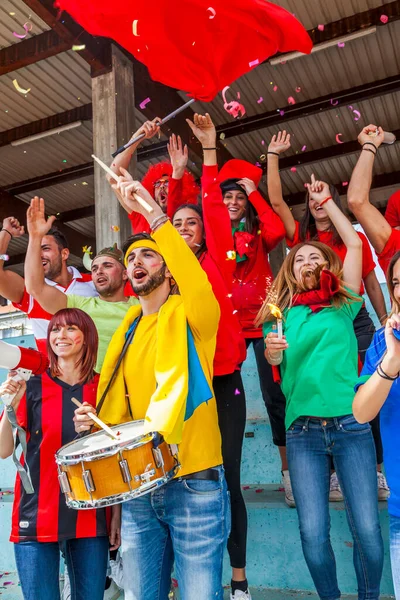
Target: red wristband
325, 200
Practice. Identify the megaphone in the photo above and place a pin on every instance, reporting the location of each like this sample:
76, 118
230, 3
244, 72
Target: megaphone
26, 361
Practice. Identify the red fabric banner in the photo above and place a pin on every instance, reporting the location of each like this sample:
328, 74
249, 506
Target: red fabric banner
197, 46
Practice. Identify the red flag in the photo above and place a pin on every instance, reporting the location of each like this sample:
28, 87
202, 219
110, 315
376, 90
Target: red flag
198, 46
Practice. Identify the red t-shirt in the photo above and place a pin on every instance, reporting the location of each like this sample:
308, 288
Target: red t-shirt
392, 213
392, 246
326, 237
46, 413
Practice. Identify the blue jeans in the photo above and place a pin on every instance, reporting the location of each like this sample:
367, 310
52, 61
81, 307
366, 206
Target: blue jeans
38, 565
311, 443
188, 521
394, 535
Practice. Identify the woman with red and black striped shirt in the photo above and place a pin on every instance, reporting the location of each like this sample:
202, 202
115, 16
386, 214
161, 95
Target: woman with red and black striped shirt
42, 524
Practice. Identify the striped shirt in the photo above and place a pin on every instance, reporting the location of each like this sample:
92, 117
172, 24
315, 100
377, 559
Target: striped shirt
46, 412
81, 285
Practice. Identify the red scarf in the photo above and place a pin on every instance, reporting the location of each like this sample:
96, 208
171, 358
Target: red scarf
321, 297
316, 300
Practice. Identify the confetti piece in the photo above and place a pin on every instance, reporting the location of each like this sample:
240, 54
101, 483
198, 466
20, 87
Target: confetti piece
298, 89
229, 295
262, 142
144, 102
338, 140
222, 136
263, 157
358, 115
334, 102
4, 257
321, 27
234, 312
345, 183
12, 14
231, 255
304, 148
384, 18
20, 89
212, 11
233, 108
114, 228
237, 392
134, 27
253, 63
275, 88
28, 27
293, 169
65, 160
261, 99
85, 183
341, 44
281, 112
77, 47
291, 100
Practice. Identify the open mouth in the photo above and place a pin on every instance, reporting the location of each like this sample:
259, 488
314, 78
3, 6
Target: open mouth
163, 198
101, 280
139, 274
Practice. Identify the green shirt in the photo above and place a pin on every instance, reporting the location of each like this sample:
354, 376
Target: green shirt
107, 317
319, 368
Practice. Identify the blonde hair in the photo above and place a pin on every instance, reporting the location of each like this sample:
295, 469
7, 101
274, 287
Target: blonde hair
285, 287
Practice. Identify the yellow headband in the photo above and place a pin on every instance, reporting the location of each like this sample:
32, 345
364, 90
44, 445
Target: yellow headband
150, 244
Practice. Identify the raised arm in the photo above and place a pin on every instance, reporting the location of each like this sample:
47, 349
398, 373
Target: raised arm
279, 144
150, 129
201, 306
178, 154
49, 297
352, 265
12, 285
376, 228
373, 392
217, 223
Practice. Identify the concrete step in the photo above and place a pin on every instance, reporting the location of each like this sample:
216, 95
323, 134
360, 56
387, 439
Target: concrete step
274, 555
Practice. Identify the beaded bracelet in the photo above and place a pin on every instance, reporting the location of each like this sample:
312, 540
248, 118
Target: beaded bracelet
160, 220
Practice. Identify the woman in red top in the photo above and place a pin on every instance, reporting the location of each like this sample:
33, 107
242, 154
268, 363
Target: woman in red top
42, 524
256, 230
208, 233
316, 225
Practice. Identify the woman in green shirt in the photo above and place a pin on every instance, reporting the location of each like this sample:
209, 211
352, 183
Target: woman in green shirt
317, 356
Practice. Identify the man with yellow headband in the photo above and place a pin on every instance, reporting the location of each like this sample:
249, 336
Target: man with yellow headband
165, 378
108, 275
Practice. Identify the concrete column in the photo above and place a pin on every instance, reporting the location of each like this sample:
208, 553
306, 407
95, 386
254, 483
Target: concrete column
276, 257
113, 124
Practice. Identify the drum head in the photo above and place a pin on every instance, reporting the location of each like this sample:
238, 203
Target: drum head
96, 442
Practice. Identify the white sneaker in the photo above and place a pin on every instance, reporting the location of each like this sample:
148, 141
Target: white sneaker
288, 489
383, 488
335, 492
239, 595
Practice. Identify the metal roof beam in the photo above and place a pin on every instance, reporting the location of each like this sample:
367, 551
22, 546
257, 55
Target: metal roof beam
311, 107
11, 206
315, 156
31, 50
379, 181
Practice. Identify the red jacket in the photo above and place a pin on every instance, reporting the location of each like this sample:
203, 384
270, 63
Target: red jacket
231, 349
253, 276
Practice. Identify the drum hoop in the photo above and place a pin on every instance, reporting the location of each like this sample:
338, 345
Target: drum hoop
73, 459
144, 489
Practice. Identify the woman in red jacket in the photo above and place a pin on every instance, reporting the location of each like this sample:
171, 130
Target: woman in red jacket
207, 232
256, 230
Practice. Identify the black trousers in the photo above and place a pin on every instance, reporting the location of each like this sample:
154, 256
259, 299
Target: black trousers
274, 400
231, 405
364, 330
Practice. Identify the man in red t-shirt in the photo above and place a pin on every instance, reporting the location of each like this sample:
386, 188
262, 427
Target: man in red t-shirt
54, 256
384, 239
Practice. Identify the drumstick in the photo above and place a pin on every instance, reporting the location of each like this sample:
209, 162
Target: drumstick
107, 169
96, 419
